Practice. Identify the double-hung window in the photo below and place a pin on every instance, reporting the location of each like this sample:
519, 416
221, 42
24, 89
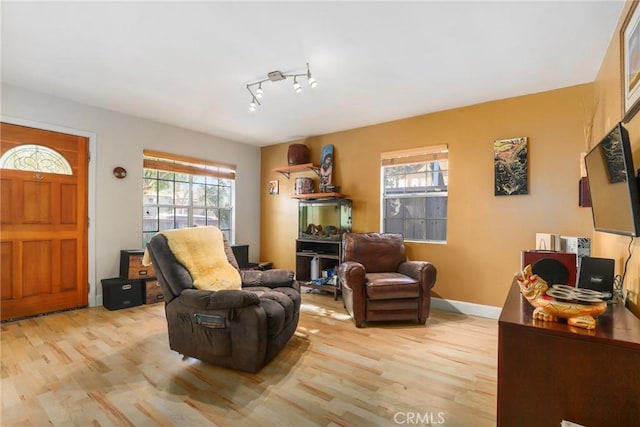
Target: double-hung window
415, 193
180, 191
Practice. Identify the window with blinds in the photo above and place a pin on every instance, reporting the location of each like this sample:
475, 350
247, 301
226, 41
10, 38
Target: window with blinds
415, 193
180, 191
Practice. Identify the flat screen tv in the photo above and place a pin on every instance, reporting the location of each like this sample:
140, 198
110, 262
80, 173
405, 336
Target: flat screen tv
615, 198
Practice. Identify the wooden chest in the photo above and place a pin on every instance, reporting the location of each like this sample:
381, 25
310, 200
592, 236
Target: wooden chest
131, 265
153, 292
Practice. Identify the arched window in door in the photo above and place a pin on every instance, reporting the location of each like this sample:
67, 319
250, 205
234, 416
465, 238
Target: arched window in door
35, 158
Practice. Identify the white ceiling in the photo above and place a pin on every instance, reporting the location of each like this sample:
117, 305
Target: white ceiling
187, 63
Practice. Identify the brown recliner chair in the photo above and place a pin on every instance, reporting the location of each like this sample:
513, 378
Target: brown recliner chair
241, 329
378, 283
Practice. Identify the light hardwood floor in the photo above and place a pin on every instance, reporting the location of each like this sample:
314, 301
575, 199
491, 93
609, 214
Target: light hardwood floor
111, 368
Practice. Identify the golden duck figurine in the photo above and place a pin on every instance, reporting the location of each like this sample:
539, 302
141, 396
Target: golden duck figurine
580, 307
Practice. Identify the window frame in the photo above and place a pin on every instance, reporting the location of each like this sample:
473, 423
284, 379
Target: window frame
416, 156
178, 169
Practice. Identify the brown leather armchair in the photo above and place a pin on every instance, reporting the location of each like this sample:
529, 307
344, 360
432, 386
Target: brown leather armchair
378, 283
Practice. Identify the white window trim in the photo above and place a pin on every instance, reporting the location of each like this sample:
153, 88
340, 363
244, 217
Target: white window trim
411, 152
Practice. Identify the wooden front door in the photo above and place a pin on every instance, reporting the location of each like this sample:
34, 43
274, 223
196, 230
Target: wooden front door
43, 221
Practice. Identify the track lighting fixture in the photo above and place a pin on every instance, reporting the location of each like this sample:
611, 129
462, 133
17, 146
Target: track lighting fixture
276, 76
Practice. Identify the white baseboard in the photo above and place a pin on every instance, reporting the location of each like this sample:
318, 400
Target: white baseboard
469, 308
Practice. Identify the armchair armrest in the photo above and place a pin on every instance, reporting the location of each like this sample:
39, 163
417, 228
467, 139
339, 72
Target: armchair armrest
352, 274
275, 278
422, 271
352, 279
218, 300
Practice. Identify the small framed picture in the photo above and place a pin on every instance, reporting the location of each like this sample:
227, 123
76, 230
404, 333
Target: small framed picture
273, 187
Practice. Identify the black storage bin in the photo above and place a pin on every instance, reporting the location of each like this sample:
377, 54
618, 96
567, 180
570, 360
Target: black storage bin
120, 293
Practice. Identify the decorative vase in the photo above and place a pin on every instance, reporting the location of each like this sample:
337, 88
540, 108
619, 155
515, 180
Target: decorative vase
298, 154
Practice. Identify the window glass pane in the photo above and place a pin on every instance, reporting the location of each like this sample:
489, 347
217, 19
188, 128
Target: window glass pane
182, 177
416, 167
212, 180
445, 178
198, 194
393, 184
199, 217
182, 194
414, 229
437, 229
415, 207
182, 218
150, 192
165, 192
212, 217
394, 225
150, 173
166, 175
225, 219
436, 207
416, 182
394, 208
212, 196
36, 158
150, 218
224, 199
436, 175
166, 219
395, 170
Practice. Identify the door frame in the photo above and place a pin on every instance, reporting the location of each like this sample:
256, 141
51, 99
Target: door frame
91, 185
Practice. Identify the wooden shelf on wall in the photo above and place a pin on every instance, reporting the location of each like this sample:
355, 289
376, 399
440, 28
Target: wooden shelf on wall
312, 196
287, 170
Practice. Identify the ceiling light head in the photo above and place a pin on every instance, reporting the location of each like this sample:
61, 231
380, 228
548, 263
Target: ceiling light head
312, 82
252, 106
259, 92
297, 86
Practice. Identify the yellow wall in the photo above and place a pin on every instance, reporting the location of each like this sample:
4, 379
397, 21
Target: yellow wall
485, 233
608, 94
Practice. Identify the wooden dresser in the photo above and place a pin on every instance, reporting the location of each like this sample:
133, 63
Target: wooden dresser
549, 372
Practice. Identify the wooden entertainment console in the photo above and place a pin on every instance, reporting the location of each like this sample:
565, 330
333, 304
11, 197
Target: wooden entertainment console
549, 372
